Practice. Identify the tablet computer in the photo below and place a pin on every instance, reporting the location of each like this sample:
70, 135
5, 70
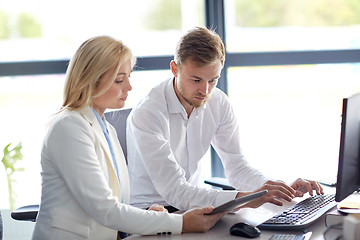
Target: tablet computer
231, 205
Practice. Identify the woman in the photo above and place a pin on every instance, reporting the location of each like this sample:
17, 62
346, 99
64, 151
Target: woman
85, 184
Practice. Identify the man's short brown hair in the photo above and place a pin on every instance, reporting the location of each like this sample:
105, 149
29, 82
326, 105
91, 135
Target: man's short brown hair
201, 46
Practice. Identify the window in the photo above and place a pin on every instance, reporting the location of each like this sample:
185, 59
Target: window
304, 35
40, 32
281, 25
287, 102
26, 106
44, 30
290, 116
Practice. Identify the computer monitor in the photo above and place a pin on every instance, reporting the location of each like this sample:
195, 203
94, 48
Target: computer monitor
348, 177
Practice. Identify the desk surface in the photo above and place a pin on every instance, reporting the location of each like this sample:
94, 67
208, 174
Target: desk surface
253, 217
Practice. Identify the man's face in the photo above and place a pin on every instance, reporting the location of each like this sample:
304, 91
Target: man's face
193, 85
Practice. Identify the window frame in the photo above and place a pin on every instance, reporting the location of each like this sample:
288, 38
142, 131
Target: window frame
215, 19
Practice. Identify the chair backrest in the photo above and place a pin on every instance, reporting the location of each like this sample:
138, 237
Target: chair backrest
118, 120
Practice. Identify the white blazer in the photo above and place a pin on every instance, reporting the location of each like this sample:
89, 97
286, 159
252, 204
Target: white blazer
80, 191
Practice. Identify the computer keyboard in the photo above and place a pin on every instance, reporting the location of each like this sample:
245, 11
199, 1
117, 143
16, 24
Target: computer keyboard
301, 214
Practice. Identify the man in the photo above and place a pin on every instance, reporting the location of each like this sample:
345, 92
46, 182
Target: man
173, 126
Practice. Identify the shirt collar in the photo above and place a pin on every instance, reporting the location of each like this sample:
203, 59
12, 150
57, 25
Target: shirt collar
101, 121
174, 104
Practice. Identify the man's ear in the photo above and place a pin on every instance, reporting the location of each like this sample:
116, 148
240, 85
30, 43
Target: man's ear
174, 68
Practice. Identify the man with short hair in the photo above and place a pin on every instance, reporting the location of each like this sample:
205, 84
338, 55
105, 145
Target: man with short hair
172, 128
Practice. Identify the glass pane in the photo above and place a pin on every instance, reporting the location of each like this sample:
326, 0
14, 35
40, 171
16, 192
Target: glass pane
292, 25
290, 116
42, 30
26, 105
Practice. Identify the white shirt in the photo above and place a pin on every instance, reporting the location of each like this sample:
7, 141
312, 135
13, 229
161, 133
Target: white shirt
165, 147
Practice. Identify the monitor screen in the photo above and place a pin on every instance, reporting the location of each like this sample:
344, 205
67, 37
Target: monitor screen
348, 178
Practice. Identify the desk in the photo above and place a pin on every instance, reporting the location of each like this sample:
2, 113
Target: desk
253, 217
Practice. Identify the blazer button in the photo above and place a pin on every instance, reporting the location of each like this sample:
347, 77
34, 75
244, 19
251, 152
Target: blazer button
169, 233
158, 233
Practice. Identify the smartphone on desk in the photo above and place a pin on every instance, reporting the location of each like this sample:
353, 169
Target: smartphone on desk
285, 236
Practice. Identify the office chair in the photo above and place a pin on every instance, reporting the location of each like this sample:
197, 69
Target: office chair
25, 213
118, 120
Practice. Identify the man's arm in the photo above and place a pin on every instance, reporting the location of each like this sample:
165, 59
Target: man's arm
243, 176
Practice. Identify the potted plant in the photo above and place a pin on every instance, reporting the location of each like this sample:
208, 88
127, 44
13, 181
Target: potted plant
10, 158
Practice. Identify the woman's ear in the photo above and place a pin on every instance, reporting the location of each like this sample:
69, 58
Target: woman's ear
174, 68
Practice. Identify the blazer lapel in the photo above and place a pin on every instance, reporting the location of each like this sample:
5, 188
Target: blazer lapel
121, 162
89, 116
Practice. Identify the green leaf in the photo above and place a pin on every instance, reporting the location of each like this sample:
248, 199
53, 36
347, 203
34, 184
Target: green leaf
10, 158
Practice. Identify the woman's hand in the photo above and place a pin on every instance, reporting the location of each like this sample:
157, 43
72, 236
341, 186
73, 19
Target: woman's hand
157, 208
195, 220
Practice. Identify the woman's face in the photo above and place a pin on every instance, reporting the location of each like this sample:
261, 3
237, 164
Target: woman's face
115, 96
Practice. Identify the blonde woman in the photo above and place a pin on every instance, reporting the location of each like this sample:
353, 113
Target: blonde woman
85, 183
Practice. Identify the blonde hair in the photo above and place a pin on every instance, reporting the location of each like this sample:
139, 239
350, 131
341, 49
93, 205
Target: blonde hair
91, 61
201, 46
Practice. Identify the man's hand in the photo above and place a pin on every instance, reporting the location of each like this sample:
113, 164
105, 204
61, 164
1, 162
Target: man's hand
195, 220
302, 186
278, 190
